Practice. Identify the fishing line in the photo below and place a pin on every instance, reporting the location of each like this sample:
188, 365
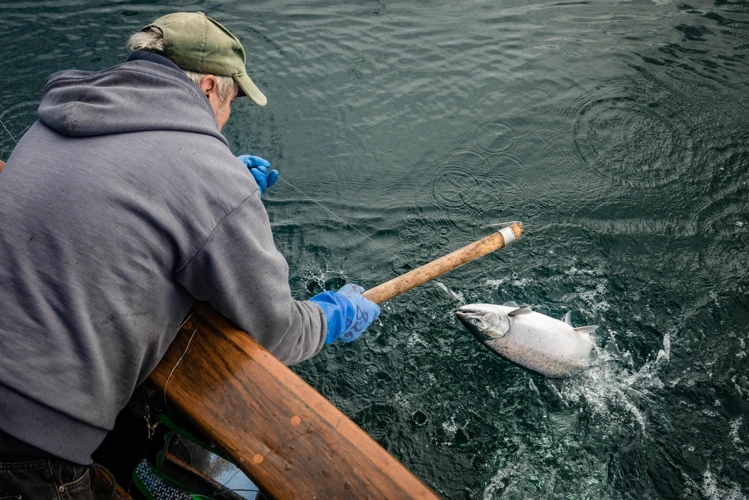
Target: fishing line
403, 262
28, 127
6, 129
344, 221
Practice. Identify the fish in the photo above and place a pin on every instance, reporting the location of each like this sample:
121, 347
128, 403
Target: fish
532, 340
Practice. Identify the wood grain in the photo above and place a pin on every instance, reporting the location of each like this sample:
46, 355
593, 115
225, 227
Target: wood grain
289, 439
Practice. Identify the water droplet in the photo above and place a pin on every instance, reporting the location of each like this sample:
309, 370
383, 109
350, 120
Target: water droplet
419, 418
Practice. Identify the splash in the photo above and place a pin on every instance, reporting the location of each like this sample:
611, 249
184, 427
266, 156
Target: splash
610, 388
457, 296
711, 489
594, 298
495, 284
734, 432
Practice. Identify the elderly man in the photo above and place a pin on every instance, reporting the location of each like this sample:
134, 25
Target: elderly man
121, 206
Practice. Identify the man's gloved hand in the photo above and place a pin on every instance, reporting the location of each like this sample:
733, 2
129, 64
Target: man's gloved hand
259, 170
347, 312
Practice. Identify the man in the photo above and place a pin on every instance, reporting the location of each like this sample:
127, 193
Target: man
121, 206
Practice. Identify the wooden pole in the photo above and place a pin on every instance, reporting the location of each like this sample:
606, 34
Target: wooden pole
2, 165
438, 267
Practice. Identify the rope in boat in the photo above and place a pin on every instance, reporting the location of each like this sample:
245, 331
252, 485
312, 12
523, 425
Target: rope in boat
166, 384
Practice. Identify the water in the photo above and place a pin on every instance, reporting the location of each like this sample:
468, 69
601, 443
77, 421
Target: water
616, 131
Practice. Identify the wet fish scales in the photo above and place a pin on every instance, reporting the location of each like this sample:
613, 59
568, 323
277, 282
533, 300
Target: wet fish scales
529, 339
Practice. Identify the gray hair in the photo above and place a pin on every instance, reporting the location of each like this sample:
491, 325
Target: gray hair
152, 40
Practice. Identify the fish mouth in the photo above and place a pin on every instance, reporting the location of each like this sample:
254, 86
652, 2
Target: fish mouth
462, 315
469, 312
484, 321
465, 312
466, 315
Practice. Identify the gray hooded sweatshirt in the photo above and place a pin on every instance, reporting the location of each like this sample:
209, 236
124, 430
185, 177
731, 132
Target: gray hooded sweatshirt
118, 208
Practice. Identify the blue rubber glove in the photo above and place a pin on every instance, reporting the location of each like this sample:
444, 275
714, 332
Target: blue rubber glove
259, 170
347, 312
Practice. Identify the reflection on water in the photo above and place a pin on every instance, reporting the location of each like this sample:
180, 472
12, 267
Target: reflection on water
617, 132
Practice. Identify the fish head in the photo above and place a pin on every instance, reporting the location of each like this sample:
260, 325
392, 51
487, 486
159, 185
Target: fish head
485, 321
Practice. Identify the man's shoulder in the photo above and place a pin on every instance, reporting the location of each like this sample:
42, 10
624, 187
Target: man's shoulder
135, 96
201, 168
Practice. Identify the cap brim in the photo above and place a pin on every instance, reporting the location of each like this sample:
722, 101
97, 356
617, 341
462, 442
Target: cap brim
250, 90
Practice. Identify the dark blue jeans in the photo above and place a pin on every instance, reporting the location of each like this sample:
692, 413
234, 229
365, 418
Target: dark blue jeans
46, 479
28, 473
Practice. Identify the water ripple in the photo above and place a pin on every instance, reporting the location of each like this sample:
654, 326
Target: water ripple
17, 117
466, 183
494, 137
633, 142
426, 237
616, 131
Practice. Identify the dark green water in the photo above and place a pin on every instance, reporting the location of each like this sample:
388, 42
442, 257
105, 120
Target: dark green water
617, 132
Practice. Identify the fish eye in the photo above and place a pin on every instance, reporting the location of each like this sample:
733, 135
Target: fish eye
476, 321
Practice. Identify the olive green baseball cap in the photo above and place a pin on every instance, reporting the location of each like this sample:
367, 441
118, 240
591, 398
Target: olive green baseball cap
195, 42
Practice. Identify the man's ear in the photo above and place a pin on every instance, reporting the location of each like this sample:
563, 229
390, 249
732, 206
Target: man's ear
209, 84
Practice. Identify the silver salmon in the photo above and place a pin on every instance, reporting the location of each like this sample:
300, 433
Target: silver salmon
532, 340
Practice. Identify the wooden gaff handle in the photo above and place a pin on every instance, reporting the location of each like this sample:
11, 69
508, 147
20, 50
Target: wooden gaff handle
2, 164
438, 267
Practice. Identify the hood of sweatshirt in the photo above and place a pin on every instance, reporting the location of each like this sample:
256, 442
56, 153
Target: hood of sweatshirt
135, 96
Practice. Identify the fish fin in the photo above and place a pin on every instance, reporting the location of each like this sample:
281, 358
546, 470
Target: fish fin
586, 329
511, 304
568, 318
520, 310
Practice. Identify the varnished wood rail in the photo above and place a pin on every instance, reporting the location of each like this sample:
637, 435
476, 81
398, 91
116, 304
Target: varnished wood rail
289, 439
